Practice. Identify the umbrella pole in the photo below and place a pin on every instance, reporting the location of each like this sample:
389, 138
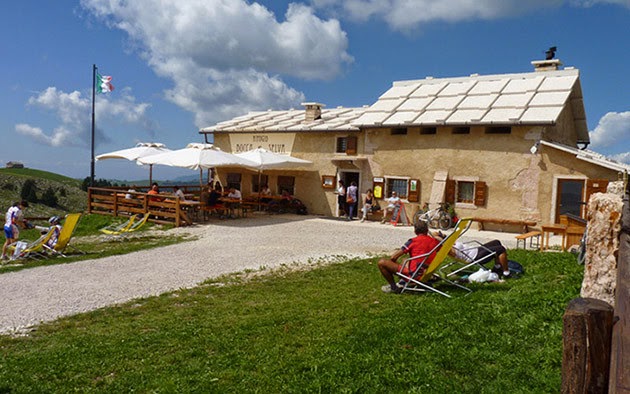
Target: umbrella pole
150, 174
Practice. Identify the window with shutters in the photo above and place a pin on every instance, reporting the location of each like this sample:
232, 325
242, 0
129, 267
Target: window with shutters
466, 192
399, 185
347, 145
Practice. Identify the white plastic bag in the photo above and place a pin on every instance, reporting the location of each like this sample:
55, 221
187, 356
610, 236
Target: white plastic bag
480, 276
19, 247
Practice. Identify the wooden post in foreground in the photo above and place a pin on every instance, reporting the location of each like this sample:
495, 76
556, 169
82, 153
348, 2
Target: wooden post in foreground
586, 332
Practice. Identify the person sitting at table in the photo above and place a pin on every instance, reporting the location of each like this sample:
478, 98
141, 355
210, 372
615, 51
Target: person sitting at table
234, 194
178, 193
155, 190
265, 194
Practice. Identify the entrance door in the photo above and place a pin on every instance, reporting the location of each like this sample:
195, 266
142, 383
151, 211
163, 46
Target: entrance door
348, 177
570, 197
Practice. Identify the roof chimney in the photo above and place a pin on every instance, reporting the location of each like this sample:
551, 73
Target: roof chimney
546, 65
549, 64
313, 111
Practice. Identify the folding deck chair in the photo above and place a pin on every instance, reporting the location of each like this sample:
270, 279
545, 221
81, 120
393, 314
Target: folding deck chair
31, 249
115, 229
427, 270
470, 265
134, 223
65, 235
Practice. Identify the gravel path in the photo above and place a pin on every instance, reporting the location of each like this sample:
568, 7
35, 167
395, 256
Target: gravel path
46, 293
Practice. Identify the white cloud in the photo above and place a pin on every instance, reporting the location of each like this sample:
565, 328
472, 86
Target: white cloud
410, 14
405, 15
74, 112
613, 128
227, 57
613, 132
622, 157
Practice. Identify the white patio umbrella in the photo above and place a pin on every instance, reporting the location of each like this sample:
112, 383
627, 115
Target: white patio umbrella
142, 149
267, 160
198, 156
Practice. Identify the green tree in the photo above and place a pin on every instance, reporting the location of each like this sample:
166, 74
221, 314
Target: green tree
49, 198
29, 191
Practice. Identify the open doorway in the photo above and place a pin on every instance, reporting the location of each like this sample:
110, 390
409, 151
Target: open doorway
348, 177
573, 194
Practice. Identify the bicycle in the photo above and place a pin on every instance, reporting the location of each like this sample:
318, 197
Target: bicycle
436, 218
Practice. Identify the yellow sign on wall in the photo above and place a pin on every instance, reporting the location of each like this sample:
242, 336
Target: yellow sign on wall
281, 143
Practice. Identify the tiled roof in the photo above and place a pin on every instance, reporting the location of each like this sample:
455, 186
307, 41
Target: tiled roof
590, 156
336, 119
503, 99
510, 99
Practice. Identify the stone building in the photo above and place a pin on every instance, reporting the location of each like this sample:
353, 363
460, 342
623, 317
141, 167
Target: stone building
510, 146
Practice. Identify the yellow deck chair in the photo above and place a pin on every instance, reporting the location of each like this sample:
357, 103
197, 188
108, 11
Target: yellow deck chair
133, 224
116, 229
137, 224
429, 269
30, 249
65, 235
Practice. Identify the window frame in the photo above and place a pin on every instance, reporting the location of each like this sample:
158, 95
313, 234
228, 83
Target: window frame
347, 142
403, 192
264, 180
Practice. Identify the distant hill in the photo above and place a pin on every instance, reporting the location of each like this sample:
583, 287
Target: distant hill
68, 191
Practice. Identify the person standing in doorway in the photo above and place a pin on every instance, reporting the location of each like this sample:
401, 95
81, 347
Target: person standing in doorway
341, 198
351, 198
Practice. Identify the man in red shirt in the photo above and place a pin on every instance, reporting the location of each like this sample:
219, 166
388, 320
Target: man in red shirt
421, 244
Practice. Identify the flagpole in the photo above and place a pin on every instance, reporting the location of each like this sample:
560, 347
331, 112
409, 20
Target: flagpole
93, 95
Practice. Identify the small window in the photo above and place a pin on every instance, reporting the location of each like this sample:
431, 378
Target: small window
342, 144
347, 145
428, 130
257, 181
465, 192
498, 130
286, 183
234, 180
461, 130
399, 185
399, 131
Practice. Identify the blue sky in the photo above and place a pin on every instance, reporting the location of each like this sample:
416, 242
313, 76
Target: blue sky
178, 66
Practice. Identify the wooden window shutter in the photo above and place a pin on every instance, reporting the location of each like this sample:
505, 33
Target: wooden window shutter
351, 147
450, 191
480, 193
413, 190
595, 186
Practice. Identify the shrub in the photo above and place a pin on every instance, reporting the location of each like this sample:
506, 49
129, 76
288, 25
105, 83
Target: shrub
49, 198
29, 191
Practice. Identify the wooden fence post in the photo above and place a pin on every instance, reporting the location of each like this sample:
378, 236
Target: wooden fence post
586, 332
620, 358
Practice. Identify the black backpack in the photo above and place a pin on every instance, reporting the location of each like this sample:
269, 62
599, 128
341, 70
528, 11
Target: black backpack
515, 268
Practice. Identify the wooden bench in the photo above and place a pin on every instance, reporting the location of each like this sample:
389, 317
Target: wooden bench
524, 224
531, 236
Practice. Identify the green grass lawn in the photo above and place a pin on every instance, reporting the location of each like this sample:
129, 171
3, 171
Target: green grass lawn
88, 239
329, 329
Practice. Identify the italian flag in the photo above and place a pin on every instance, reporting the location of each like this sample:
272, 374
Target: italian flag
104, 83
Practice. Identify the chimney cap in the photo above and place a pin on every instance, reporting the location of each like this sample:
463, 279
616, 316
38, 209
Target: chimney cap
313, 104
546, 65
